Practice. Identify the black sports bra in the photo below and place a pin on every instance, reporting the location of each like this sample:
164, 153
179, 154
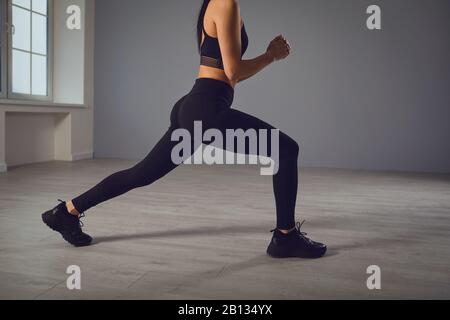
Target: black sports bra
210, 49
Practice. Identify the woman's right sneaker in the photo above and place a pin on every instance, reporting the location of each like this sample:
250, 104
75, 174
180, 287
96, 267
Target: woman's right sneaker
294, 244
68, 225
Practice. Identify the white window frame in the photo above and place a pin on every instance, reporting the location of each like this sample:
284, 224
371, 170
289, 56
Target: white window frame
3, 49
7, 72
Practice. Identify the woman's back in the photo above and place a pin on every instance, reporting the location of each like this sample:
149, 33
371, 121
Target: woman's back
212, 61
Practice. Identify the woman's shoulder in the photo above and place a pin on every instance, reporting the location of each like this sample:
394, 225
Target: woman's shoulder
224, 8
226, 4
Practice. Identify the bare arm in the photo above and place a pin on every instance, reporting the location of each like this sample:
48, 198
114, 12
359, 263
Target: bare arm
228, 25
252, 66
278, 49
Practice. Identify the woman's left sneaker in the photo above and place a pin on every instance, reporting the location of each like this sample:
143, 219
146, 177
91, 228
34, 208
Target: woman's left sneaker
68, 225
294, 244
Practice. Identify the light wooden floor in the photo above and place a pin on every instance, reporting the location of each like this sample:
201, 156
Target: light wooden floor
201, 233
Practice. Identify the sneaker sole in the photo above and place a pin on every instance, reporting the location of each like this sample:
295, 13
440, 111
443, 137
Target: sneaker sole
278, 253
49, 219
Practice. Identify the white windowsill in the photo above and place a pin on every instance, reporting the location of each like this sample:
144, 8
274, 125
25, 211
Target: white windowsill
39, 103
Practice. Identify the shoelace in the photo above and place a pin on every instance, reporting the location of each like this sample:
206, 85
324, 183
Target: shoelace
298, 227
302, 234
81, 215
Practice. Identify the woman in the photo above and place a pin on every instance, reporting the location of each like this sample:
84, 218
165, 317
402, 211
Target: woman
222, 41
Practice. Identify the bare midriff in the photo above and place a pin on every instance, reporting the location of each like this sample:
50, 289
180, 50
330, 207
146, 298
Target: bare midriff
214, 73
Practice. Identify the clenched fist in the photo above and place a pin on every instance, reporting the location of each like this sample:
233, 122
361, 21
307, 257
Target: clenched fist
279, 48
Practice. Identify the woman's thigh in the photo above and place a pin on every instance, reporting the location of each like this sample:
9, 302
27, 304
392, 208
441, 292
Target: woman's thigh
246, 134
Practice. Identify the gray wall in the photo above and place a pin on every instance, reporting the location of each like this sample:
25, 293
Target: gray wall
351, 97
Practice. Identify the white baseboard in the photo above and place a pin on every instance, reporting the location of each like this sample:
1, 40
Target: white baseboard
75, 157
82, 156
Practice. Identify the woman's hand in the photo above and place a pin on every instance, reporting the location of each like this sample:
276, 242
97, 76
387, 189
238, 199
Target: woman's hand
279, 48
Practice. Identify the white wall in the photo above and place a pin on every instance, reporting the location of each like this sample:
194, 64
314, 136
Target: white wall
68, 73
68, 127
40, 128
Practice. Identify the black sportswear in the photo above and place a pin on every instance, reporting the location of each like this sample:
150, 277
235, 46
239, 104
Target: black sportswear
209, 101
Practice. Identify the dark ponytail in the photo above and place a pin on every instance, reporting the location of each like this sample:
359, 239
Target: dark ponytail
200, 22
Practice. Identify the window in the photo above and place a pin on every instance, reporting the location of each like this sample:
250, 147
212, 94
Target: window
3, 50
26, 65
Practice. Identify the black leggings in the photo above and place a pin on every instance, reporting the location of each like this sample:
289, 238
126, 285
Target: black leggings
209, 101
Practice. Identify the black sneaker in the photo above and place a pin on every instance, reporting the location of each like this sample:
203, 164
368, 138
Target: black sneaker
294, 244
60, 220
